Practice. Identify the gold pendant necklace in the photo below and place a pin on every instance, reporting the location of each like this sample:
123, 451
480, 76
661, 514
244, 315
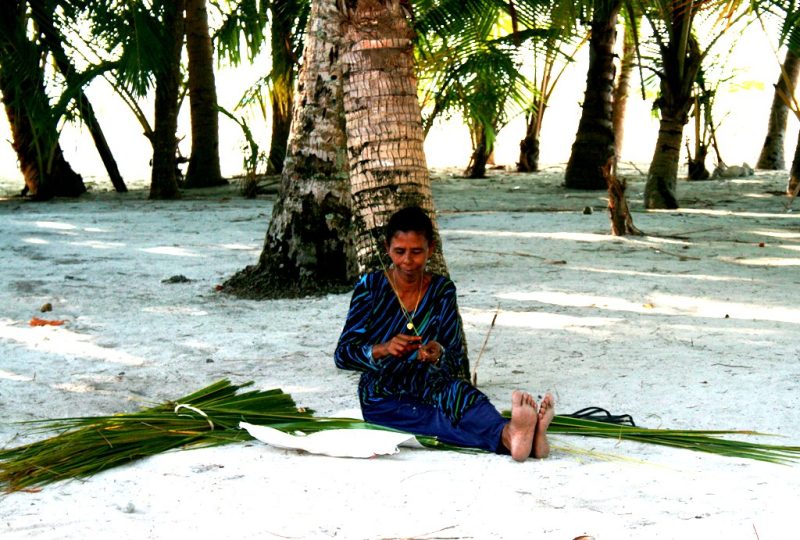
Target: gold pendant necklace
409, 316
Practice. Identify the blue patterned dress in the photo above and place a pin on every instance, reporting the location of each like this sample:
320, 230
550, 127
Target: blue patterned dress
405, 393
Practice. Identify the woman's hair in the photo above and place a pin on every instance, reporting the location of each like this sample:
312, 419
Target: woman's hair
411, 218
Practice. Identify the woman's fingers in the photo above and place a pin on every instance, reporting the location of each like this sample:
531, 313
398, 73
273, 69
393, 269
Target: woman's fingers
403, 344
430, 352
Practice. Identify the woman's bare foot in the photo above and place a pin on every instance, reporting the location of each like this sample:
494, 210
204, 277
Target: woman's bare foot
547, 410
519, 433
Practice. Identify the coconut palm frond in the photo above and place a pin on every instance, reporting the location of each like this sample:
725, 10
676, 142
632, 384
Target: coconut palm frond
87, 445
709, 441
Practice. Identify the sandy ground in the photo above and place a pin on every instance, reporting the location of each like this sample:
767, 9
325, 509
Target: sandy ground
693, 326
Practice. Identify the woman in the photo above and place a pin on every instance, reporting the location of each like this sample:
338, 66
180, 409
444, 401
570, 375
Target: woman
403, 332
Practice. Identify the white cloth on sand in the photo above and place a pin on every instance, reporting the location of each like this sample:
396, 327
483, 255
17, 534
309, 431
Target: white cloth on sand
356, 443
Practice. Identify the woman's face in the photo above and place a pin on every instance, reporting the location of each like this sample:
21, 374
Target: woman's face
409, 252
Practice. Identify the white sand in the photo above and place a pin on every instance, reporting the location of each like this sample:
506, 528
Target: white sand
693, 326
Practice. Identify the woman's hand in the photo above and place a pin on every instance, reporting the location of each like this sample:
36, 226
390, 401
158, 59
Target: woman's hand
399, 345
431, 352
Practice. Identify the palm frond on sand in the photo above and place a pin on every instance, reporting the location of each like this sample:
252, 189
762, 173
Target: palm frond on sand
211, 416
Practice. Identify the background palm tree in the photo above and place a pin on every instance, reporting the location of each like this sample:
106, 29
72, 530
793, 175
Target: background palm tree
34, 121
549, 64
594, 144
308, 247
204, 168
143, 41
163, 180
48, 22
680, 55
288, 22
468, 65
619, 97
771, 156
247, 25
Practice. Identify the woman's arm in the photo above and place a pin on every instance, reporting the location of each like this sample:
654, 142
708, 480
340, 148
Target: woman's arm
354, 351
454, 359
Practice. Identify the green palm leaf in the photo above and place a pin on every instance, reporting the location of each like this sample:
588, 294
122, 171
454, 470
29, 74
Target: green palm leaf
84, 446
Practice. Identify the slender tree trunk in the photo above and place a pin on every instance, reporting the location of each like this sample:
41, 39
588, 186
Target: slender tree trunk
163, 182
771, 157
281, 126
33, 127
204, 168
480, 155
281, 92
383, 124
620, 214
104, 151
594, 142
662, 178
674, 103
529, 146
794, 174
619, 97
53, 41
309, 245
697, 163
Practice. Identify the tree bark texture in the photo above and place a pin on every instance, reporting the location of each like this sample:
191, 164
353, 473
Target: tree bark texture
204, 168
480, 155
674, 102
163, 181
794, 174
281, 93
53, 41
383, 125
772, 153
309, 245
619, 97
594, 142
697, 163
662, 177
618, 210
33, 126
529, 147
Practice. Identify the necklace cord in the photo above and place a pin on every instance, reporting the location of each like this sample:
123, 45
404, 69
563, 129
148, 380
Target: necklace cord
409, 316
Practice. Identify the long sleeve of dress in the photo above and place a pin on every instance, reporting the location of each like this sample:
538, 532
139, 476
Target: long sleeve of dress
450, 333
354, 350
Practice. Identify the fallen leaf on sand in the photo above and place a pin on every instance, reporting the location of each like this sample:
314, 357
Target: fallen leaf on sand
36, 321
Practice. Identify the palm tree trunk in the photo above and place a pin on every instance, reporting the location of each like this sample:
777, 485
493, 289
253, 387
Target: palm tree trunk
794, 175
529, 147
594, 142
660, 189
104, 151
383, 124
681, 61
281, 92
34, 131
480, 155
163, 181
309, 246
204, 168
619, 97
771, 157
53, 41
281, 123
